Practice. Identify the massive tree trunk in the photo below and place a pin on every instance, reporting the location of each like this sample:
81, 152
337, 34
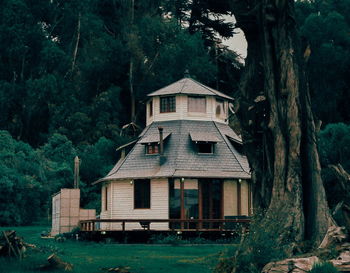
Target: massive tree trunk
277, 122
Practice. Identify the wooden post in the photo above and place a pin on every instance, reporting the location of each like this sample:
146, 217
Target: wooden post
182, 200
239, 207
200, 204
249, 198
123, 226
210, 203
222, 202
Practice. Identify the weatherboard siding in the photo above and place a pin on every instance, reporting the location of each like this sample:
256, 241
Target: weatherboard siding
122, 206
182, 111
230, 198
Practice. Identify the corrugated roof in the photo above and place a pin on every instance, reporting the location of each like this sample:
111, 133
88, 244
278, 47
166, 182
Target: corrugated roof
188, 86
203, 136
182, 160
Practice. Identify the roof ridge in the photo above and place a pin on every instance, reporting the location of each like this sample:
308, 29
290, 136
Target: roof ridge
214, 91
150, 94
228, 146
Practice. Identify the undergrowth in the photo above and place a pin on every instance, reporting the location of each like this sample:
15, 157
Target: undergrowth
323, 268
259, 247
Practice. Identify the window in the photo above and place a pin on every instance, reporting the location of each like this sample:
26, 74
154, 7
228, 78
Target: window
197, 104
106, 198
167, 104
205, 148
152, 148
142, 194
151, 108
220, 109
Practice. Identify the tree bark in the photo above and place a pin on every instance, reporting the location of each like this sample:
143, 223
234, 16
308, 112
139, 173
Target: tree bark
277, 123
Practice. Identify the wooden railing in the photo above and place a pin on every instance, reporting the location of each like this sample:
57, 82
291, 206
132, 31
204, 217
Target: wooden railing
174, 224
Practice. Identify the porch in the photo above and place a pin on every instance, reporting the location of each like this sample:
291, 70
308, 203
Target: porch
234, 224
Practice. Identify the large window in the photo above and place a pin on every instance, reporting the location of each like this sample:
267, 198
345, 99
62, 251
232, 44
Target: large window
167, 104
142, 194
197, 104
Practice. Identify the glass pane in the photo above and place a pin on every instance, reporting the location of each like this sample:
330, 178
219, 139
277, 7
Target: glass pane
197, 104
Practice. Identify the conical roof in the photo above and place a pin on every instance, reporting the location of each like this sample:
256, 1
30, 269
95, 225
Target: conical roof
188, 86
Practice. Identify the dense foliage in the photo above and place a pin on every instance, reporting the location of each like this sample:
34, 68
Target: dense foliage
66, 76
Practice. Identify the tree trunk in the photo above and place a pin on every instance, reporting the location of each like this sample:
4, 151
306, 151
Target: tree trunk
277, 122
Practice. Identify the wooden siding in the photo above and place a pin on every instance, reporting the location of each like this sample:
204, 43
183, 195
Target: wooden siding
230, 198
122, 205
244, 197
182, 111
231, 206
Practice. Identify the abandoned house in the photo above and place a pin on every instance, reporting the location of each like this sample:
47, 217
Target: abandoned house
185, 169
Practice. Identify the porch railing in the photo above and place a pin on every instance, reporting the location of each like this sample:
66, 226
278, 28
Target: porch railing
174, 224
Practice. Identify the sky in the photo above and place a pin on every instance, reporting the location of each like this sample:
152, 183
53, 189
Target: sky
238, 42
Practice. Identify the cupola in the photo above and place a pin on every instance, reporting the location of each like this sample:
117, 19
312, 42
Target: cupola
187, 99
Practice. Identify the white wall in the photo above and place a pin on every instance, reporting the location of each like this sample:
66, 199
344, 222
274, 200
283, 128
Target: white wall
182, 111
122, 205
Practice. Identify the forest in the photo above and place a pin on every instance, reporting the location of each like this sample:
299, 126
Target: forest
75, 72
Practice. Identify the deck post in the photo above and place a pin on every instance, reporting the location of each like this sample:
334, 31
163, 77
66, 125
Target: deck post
200, 205
239, 210
182, 200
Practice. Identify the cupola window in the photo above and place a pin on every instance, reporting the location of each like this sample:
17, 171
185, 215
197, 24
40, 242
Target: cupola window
167, 104
220, 109
197, 104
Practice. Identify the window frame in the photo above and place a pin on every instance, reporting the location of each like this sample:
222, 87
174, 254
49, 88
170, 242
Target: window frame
212, 148
167, 104
154, 147
197, 97
145, 204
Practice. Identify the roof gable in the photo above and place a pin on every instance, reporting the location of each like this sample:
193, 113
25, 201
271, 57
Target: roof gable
188, 86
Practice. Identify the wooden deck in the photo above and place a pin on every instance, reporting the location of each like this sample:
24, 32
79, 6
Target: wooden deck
183, 225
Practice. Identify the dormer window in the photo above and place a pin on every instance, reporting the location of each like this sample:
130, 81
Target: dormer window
197, 104
204, 141
152, 148
167, 104
205, 148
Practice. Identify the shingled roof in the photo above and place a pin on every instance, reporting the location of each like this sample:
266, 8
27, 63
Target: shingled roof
181, 158
188, 86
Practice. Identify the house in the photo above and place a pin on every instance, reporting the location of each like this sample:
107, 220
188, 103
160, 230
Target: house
186, 164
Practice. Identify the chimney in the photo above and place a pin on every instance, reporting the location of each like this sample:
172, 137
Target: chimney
161, 140
161, 147
76, 172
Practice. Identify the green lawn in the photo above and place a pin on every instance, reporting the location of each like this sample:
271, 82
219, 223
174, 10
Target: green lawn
91, 257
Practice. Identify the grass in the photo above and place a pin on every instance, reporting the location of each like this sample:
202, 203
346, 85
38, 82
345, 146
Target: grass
90, 257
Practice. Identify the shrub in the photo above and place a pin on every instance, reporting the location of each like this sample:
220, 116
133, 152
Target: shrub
260, 246
323, 268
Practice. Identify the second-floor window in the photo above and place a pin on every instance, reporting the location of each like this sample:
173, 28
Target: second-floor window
197, 104
152, 148
167, 104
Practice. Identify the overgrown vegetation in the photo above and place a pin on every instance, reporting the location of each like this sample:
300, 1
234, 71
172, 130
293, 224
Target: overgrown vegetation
260, 246
323, 268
